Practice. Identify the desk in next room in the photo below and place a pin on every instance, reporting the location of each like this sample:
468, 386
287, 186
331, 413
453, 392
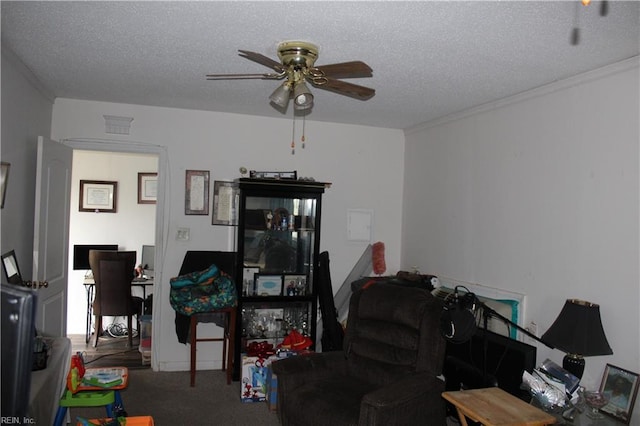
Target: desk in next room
89, 286
495, 407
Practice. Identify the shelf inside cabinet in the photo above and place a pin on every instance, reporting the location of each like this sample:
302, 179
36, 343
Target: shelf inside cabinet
271, 322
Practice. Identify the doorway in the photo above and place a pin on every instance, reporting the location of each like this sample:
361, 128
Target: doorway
133, 225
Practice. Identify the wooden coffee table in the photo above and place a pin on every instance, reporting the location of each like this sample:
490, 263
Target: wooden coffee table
495, 407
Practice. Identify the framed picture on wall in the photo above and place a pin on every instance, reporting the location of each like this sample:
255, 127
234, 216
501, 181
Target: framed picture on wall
196, 192
147, 188
4, 178
11, 269
225, 203
99, 196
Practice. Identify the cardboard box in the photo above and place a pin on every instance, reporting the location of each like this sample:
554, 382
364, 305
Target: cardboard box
259, 384
253, 387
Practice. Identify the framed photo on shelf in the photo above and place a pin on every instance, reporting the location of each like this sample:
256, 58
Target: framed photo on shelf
147, 188
620, 387
248, 280
268, 285
99, 196
295, 285
225, 203
196, 192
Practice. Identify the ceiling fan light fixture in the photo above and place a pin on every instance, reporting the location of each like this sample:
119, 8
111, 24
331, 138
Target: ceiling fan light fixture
302, 96
280, 96
297, 65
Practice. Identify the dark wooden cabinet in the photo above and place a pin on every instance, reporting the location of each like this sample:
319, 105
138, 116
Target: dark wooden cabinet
277, 244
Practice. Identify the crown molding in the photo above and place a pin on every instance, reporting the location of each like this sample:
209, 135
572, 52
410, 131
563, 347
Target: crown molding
598, 73
9, 56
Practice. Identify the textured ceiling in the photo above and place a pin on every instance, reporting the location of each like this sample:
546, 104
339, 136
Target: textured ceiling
429, 59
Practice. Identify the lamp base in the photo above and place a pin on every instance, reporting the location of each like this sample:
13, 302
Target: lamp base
574, 364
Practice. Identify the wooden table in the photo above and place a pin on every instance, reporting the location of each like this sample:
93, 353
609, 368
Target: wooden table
495, 407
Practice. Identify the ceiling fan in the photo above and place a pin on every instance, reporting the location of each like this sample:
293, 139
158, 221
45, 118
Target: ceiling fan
297, 59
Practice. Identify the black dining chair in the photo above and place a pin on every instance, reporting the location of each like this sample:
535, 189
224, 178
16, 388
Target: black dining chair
112, 273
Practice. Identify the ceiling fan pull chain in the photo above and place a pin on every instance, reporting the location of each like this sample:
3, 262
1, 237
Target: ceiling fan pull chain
575, 32
293, 135
304, 122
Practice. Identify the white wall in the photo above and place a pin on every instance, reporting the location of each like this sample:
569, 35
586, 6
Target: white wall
363, 164
26, 114
130, 227
539, 195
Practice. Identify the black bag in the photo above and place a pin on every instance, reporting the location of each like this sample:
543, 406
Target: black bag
332, 332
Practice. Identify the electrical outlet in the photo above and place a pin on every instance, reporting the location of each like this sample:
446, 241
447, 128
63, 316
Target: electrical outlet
533, 328
183, 234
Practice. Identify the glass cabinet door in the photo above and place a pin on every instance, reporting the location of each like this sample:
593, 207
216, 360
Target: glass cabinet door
279, 239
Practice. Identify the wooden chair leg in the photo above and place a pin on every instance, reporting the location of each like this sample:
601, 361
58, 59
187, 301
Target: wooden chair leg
225, 340
227, 344
192, 336
98, 331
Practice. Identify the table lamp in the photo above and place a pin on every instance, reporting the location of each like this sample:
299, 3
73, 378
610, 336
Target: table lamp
578, 332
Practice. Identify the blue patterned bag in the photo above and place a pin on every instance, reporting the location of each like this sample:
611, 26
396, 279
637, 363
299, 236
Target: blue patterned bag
202, 291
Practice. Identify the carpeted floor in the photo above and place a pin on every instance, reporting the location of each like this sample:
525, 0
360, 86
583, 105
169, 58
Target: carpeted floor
168, 398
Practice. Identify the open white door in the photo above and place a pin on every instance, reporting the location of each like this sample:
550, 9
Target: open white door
51, 234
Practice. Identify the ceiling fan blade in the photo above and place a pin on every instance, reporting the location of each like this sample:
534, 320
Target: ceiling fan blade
262, 60
343, 88
245, 76
353, 69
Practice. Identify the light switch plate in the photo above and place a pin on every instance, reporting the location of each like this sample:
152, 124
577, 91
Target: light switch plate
183, 234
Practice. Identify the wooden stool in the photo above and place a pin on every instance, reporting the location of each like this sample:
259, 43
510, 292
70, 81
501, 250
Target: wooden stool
227, 339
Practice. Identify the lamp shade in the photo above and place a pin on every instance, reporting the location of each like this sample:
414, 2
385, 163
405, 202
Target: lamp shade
280, 96
578, 330
302, 96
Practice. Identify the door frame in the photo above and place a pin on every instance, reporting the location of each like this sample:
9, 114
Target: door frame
110, 145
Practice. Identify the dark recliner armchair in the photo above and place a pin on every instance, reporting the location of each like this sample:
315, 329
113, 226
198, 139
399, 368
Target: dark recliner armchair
387, 373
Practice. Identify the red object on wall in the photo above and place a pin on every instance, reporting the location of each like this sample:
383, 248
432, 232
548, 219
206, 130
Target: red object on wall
379, 265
